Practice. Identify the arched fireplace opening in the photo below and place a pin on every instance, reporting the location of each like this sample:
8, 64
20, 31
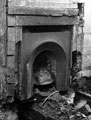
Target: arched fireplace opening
48, 66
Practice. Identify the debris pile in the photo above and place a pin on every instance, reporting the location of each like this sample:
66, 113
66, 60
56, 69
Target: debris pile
53, 106
58, 107
82, 83
8, 115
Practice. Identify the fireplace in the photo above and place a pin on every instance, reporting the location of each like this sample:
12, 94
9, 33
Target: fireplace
44, 39
45, 48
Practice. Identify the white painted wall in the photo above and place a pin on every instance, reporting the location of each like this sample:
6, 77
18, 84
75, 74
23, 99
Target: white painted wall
87, 15
87, 37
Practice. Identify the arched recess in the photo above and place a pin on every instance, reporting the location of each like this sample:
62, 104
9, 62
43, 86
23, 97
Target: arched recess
56, 54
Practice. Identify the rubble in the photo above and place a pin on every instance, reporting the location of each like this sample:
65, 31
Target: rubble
8, 115
80, 104
50, 104
55, 106
82, 84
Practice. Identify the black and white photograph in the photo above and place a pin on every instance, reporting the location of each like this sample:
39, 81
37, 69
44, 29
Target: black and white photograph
45, 59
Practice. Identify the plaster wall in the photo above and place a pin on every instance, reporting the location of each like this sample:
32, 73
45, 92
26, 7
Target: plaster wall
86, 62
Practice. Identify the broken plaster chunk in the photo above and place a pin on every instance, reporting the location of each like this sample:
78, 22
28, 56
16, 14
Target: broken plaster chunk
80, 104
88, 108
84, 73
70, 97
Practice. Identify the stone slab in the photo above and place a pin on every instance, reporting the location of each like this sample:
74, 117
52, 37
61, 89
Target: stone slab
42, 11
34, 20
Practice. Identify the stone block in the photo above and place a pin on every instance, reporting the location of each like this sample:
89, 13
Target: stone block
2, 83
10, 48
18, 34
11, 80
20, 10
11, 61
41, 20
2, 55
11, 34
11, 41
10, 71
11, 21
43, 4
1, 59
10, 89
2, 48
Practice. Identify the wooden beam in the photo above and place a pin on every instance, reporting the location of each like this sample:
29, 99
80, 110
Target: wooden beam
36, 11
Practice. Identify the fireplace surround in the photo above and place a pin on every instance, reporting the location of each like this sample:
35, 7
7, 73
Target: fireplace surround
43, 43
42, 36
